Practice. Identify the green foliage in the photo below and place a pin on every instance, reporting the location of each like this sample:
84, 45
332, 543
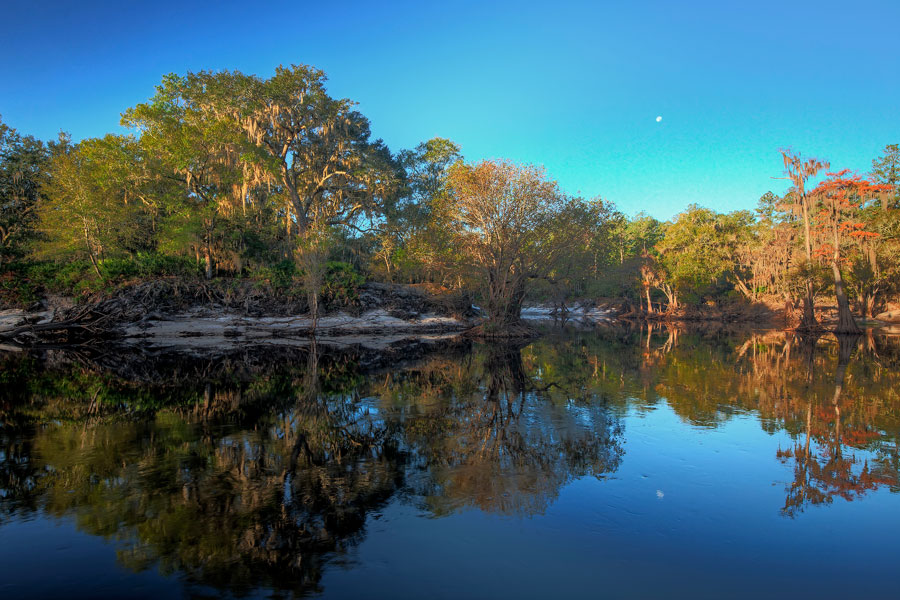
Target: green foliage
16, 290
886, 170
23, 172
412, 241
22, 284
618, 280
63, 278
147, 265
341, 284
632, 237
280, 275
89, 212
696, 253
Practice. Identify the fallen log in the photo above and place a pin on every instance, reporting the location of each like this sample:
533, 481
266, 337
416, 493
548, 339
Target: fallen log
42, 327
86, 323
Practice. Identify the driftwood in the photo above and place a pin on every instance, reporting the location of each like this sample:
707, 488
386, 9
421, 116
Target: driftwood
84, 324
103, 316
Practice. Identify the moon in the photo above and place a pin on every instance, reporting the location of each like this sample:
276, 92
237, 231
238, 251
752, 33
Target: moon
658, 119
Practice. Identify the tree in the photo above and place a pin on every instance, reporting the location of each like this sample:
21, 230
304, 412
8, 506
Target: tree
577, 233
622, 257
874, 270
769, 252
697, 253
839, 199
886, 170
635, 236
426, 171
23, 172
196, 148
86, 211
799, 172
414, 233
316, 147
278, 148
503, 217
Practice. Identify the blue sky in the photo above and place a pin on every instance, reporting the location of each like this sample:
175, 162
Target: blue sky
574, 86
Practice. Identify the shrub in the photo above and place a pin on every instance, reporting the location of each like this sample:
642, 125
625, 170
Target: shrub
148, 264
63, 278
280, 275
16, 291
342, 283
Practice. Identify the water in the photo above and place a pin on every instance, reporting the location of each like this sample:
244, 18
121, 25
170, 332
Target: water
610, 463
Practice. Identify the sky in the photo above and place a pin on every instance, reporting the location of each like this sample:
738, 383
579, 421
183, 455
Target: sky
574, 86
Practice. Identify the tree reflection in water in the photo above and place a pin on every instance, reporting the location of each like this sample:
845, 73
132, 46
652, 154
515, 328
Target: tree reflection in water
828, 468
254, 483
230, 504
250, 471
506, 446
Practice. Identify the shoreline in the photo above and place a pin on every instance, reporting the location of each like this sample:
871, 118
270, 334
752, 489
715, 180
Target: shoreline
210, 327
197, 328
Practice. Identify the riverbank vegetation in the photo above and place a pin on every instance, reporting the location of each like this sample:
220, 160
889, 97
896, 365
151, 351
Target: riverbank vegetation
272, 182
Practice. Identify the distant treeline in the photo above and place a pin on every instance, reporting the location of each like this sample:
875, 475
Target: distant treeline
236, 176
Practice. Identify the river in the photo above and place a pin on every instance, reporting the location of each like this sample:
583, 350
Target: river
610, 462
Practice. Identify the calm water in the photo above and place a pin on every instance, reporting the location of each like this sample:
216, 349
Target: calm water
594, 464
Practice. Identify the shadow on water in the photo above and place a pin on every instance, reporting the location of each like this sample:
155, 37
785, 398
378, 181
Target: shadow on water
254, 470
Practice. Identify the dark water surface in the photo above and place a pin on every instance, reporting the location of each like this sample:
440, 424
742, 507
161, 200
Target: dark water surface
595, 464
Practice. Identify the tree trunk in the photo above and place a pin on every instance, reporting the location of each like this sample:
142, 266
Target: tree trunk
312, 259
846, 345
314, 308
90, 249
505, 300
809, 344
808, 322
296, 202
207, 257
649, 304
868, 304
846, 322
245, 187
671, 296
744, 288
95, 264
513, 313
870, 292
